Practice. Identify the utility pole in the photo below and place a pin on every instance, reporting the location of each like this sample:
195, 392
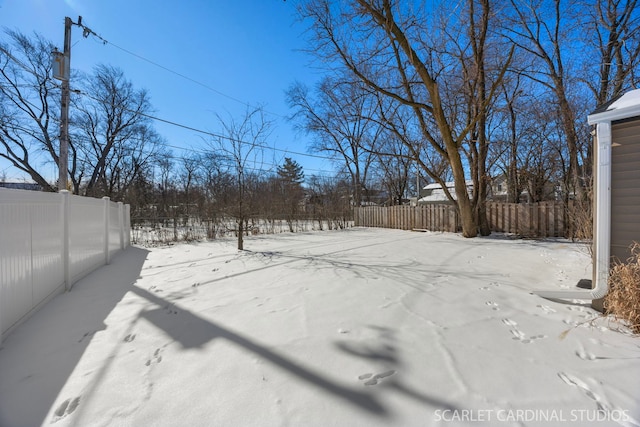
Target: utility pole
63, 160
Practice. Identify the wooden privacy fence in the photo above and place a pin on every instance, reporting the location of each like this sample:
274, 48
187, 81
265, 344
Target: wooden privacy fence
545, 219
426, 217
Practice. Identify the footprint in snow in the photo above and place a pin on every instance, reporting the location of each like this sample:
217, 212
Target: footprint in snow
601, 401
517, 334
130, 338
375, 379
509, 322
576, 308
546, 308
169, 309
157, 358
522, 337
585, 355
494, 305
65, 408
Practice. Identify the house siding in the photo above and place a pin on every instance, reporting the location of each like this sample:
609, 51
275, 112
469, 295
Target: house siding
625, 186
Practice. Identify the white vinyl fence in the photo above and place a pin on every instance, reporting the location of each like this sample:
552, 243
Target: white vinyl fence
48, 241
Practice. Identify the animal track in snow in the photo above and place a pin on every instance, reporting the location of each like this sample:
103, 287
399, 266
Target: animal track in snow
522, 337
130, 338
509, 322
546, 309
494, 305
577, 308
601, 402
65, 408
518, 334
491, 286
374, 379
585, 355
169, 309
157, 358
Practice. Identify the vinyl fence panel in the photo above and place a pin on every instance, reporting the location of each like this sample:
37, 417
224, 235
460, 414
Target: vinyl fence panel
30, 257
48, 241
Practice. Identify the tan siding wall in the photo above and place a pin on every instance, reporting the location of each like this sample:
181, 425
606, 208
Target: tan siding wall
625, 187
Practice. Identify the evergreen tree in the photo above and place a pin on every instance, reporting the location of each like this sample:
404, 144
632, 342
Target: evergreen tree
291, 172
291, 176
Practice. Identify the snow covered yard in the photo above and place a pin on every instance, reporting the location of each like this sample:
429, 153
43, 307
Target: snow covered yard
363, 327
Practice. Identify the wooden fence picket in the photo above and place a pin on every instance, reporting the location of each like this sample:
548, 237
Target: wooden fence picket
545, 219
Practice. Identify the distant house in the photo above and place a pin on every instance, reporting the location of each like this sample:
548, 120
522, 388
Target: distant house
21, 186
498, 191
434, 194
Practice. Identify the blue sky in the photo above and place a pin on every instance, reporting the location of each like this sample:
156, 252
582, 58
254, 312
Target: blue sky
246, 50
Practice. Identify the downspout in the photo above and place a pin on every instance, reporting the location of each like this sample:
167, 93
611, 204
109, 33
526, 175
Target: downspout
602, 226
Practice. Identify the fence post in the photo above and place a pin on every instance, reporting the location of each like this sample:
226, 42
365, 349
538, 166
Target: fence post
107, 258
121, 225
64, 213
127, 225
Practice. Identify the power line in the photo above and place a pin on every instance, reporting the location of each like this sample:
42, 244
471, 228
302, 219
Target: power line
209, 133
87, 31
170, 122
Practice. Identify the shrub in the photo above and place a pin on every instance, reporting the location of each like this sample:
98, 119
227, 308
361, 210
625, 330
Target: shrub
623, 299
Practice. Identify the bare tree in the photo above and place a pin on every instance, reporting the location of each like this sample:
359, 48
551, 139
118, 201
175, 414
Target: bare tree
241, 145
547, 31
614, 32
217, 185
383, 44
514, 132
329, 201
394, 164
338, 116
191, 165
28, 128
114, 133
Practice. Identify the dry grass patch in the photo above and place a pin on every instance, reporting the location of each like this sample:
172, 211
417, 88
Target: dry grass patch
623, 299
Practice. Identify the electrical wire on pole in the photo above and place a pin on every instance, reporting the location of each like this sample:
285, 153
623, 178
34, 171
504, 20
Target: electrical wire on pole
62, 72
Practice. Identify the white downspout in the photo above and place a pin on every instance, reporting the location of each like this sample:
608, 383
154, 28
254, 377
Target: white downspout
603, 223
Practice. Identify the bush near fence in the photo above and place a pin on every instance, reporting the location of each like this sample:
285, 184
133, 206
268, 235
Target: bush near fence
162, 231
545, 219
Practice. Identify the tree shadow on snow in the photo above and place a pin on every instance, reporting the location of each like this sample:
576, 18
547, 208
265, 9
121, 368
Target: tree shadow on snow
44, 351
385, 352
192, 331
